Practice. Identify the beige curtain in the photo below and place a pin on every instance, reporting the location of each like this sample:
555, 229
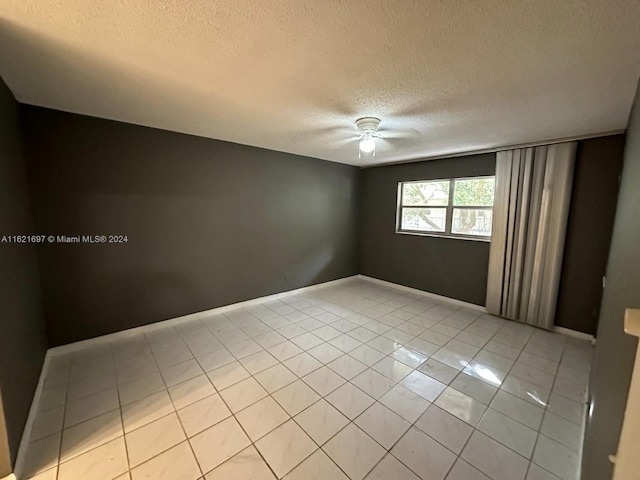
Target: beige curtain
533, 191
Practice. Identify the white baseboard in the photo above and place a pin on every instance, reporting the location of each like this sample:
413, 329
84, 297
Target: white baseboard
574, 333
72, 347
26, 433
11, 476
424, 294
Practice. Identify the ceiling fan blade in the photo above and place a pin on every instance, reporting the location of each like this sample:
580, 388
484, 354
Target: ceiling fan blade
341, 142
326, 135
336, 131
389, 144
399, 133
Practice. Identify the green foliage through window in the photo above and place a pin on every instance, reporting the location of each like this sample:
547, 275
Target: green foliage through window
426, 193
474, 192
459, 207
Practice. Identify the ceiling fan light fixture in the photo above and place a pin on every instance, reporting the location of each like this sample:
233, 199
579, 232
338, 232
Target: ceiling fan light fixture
368, 129
367, 145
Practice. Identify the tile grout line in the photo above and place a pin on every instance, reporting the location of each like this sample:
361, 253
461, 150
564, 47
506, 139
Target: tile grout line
192, 353
292, 417
233, 415
64, 415
175, 411
546, 406
474, 427
124, 438
343, 353
258, 382
507, 373
547, 410
529, 460
375, 400
252, 443
544, 413
413, 424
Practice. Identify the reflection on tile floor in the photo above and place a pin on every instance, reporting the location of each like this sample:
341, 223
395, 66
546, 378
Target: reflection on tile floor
355, 380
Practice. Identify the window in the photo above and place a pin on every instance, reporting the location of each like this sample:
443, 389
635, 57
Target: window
456, 207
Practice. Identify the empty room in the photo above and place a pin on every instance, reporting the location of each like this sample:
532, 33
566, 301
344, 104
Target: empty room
260, 240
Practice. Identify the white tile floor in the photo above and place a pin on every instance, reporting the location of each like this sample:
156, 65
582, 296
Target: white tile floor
355, 381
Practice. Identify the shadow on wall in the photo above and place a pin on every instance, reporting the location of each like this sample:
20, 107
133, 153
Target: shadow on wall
5, 455
162, 273
162, 295
143, 297
150, 296
312, 271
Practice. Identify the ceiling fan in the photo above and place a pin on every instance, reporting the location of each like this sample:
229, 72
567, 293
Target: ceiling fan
368, 134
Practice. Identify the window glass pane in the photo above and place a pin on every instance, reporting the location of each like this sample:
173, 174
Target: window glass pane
426, 193
474, 192
424, 219
471, 221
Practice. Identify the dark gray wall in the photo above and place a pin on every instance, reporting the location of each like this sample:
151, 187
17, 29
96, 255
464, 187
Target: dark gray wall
451, 267
593, 205
615, 351
22, 334
209, 223
5, 456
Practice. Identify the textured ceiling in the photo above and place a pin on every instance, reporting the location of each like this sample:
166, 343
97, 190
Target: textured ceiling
445, 76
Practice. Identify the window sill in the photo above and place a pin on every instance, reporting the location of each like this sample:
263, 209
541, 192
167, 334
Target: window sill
444, 235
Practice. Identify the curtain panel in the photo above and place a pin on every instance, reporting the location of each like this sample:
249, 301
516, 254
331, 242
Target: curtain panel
533, 192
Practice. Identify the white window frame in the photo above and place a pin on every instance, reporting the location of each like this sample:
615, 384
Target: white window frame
449, 210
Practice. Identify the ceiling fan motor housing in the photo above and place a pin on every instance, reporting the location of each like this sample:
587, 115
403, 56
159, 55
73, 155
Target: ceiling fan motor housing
368, 125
